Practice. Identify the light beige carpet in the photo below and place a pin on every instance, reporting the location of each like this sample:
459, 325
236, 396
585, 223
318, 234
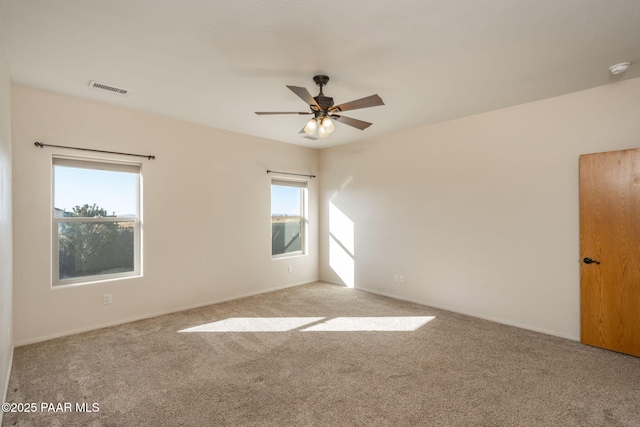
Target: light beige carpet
323, 355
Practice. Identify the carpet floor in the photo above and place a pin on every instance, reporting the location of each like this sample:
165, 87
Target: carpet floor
321, 355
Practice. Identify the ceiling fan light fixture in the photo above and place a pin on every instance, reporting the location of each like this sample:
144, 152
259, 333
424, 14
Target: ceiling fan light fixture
310, 127
328, 125
322, 108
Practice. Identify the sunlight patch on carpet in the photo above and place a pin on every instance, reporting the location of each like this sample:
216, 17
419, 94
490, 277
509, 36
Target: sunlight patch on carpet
338, 324
255, 324
375, 324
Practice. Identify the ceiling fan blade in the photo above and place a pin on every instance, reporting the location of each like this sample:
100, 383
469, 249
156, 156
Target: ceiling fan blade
263, 113
369, 101
304, 94
362, 125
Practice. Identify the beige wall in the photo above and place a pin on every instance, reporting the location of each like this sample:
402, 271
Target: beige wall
207, 221
6, 347
479, 214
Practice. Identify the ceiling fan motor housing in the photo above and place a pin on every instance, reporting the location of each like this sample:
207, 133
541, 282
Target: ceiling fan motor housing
325, 102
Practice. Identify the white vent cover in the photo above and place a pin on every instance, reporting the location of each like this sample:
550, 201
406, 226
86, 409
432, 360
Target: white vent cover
108, 88
619, 68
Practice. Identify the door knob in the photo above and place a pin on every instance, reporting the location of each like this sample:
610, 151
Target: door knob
589, 261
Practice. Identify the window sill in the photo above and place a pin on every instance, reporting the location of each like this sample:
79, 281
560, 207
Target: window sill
82, 281
287, 256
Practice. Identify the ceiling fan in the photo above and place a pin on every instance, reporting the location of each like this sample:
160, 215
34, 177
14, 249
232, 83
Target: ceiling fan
324, 112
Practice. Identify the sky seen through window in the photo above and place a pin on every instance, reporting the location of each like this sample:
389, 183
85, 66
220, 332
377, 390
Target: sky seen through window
285, 201
110, 190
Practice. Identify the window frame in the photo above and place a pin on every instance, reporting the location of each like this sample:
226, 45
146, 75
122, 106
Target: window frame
303, 186
105, 165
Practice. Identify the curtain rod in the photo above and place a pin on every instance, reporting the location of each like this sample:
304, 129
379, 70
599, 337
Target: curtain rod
41, 145
289, 173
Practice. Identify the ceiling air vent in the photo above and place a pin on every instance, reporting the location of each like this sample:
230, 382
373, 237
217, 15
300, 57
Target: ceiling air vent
108, 88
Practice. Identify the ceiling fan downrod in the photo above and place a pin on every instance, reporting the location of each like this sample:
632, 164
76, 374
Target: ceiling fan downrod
321, 81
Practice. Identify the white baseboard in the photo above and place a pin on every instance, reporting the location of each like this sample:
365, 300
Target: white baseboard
154, 314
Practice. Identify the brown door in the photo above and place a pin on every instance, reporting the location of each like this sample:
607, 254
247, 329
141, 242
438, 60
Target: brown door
610, 250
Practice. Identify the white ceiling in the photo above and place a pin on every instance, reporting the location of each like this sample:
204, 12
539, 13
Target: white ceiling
216, 62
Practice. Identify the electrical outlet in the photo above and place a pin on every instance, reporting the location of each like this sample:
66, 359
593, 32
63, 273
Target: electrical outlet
106, 299
396, 277
402, 278
291, 269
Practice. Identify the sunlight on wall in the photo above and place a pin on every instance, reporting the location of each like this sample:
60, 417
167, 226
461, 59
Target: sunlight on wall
341, 262
341, 245
341, 227
337, 324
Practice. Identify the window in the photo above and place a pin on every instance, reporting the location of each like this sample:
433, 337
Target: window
288, 224
96, 220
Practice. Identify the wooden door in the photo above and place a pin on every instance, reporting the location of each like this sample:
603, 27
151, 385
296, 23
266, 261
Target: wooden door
610, 237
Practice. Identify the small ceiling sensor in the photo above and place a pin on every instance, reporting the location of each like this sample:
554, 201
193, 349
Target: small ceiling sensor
619, 68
